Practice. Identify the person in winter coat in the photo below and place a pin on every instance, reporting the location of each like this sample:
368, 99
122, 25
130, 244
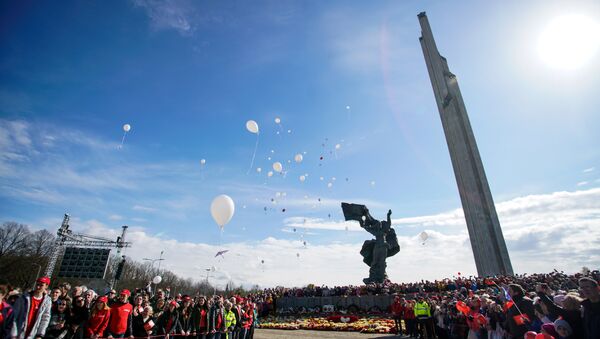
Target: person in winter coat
57, 327
218, 320
7, 316
185, 316
237, 310
78, 318
121, 313
570, 311
591, 307
200, 318
520, 314
408, 315
246, 319
99, 318
396, 309
230, 321
37, 306
143, 324
168, 323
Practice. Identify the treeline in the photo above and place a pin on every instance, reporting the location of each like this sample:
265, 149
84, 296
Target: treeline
24, 255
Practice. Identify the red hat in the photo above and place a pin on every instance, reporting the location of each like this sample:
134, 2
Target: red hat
125, 292
173, 303
186, 298
102, 300
530, 335
44, 280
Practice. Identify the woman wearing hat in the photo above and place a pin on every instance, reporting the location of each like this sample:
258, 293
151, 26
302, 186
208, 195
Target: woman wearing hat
98, 319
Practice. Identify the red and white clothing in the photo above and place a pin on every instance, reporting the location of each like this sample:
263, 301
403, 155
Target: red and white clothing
120, 319
97, 323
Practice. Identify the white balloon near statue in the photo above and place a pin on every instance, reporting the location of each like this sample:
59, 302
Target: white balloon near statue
222, 209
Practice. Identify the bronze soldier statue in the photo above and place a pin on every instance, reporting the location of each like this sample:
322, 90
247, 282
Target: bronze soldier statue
377, 250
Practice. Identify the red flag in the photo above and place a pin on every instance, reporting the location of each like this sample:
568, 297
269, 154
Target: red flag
521, 319
462, 307
508, 305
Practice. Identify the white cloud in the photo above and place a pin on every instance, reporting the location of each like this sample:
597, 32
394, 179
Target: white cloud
582, 183
589, 170
143, 208
115, 217
559, 230
168, 14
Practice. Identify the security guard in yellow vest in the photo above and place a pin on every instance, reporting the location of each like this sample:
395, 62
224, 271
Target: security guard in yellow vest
423, 314
229, 320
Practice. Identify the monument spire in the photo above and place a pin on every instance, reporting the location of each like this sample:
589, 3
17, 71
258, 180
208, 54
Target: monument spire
487, 241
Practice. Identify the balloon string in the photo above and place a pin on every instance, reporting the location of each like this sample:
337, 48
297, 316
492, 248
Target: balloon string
123, 139
253, 155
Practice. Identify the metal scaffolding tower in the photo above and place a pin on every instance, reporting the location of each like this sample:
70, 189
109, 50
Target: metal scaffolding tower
65, 237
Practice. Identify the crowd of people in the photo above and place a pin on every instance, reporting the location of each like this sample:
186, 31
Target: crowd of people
78, 312
498, 312
553, 305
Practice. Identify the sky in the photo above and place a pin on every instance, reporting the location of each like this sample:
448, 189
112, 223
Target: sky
348, 81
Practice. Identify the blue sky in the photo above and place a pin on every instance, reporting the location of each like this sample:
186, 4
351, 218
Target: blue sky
187, 76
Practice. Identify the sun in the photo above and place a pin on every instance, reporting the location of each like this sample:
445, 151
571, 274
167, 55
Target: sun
569, 42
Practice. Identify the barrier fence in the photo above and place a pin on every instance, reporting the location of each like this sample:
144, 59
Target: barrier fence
362, 303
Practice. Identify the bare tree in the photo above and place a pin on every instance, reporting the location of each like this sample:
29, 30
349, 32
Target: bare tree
13, 237
41, 243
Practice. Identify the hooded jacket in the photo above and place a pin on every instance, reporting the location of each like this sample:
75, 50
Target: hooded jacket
42, 319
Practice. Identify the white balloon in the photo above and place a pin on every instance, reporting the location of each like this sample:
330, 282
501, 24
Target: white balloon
338, 146
302, 178
258, 169
423, 236
156, 280
298, 158
126, 127
270, 174
277, 194
252, 126
373, 183
277, 166
222, 209
329, 185
202, 161
277, 120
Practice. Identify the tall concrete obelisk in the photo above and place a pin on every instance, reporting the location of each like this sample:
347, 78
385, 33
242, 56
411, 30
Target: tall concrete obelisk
487, 241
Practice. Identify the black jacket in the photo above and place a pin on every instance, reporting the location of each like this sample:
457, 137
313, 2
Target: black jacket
591, 319
166, 319
525, 306
573, 317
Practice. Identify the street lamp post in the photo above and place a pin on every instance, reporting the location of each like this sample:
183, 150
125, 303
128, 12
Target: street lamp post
153, 260
37, 275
